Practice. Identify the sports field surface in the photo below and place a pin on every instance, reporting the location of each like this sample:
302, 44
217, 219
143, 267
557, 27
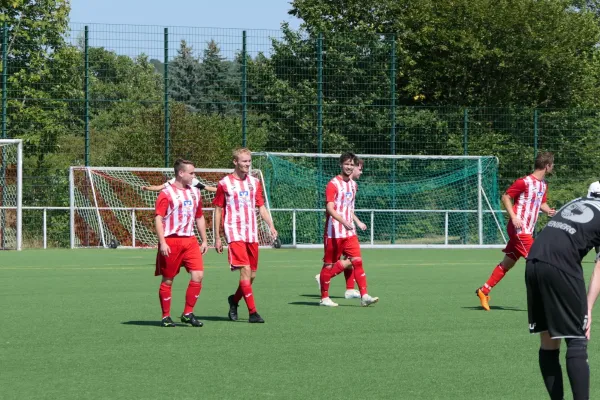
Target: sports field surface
84, 324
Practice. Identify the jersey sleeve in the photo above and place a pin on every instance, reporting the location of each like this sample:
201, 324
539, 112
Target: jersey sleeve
260, 197
169, 182
162, 205
199, 212
219, 199
199, 185
330, 192
516, 188
545, 198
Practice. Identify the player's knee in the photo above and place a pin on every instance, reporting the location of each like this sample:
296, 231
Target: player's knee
356, 260
168, 282
328, 266
576, 344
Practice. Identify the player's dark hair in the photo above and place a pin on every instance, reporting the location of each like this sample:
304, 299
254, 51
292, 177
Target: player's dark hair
179, 165
543, 160
358, 162
347, 156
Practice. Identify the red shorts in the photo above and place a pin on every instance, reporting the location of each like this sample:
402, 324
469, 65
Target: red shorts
184, 250
518, 246
242, 253
336, 247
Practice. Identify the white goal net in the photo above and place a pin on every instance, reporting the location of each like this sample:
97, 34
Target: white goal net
11, 178
109, 207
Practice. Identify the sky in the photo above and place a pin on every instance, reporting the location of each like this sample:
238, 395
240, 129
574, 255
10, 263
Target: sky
258, 14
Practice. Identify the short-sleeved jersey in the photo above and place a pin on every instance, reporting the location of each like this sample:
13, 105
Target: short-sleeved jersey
342, 194
528, 193
195, 183
239, 199
179, 208
569, 236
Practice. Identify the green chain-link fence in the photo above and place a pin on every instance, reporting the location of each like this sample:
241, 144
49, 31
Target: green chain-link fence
119, 95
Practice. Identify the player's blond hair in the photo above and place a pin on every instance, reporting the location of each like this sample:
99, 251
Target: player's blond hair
238, 152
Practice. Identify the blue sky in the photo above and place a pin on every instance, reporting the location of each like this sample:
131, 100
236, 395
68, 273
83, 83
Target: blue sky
258, 14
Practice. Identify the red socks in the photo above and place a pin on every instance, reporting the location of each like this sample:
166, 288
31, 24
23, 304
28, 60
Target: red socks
496, 277
246, 288
164, 295
350, 281
191, 296
237, 296
327, 274
360, 276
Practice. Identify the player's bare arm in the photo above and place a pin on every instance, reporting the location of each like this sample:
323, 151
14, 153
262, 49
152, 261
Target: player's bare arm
264, 214
218, 218
201, 225
551, 212
359, 223
593, 291
334, 214
508, 205
153, 188
164, 248
210, 189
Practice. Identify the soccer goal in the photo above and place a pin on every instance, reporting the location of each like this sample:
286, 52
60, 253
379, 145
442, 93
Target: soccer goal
11, 196
405, 201
110, 209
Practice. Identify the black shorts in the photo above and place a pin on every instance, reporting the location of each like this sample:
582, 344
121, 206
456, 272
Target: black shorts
556, 301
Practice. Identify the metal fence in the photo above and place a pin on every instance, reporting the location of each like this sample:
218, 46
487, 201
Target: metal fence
141, 96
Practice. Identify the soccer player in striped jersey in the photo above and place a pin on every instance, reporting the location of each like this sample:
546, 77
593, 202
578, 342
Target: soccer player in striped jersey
340, 236
529, 196
238, 195
177, 207
195, 183
351, 293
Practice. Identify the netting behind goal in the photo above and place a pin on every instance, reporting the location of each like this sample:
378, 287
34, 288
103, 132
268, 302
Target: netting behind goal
110, 208
404, 200
10, 194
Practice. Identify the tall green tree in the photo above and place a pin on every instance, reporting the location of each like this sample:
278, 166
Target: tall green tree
184, 75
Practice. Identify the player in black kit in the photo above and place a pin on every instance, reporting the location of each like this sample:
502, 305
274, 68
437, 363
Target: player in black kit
556, 297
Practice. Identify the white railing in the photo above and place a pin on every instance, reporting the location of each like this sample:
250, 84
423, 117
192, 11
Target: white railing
295, 211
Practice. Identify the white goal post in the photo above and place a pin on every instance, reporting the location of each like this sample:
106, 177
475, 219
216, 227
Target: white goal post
108, 207
11, 194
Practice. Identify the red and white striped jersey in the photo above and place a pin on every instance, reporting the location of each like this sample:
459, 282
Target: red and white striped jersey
342, 195
239, 199
528, 193
179, 209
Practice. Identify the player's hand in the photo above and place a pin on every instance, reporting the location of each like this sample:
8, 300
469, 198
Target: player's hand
588, 328
165, 250
218, 245
551, 212
273, 232
144, 187
361, 226
203, 247
348, 225
517, 222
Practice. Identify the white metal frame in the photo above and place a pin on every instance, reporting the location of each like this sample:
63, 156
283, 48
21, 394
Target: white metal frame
19, 205
97, 209
480, 195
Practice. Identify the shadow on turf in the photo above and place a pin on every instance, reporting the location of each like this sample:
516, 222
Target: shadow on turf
318, 296
157, 323
313, 303
479, 308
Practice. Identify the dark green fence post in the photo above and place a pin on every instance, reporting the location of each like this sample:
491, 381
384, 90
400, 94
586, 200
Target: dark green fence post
244, 91
393, 132
535, 133
86, 86
465, 234
320, 199
166, 101
4, 118
4, 78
